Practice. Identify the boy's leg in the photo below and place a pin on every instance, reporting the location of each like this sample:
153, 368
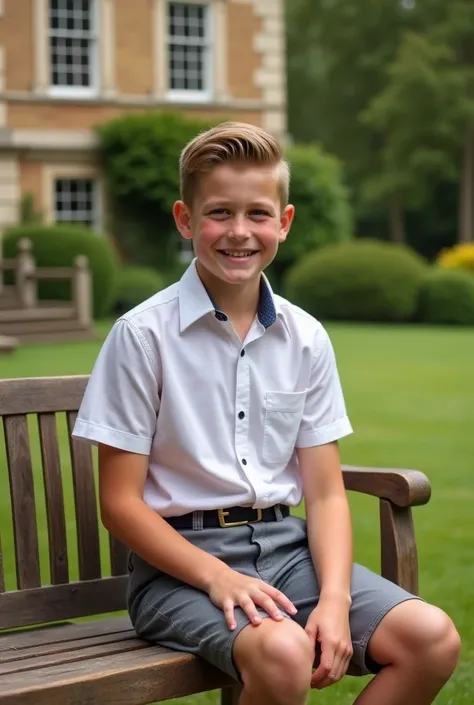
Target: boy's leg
418, 646
275, 661
411, 646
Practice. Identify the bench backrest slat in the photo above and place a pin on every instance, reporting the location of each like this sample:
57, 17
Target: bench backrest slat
53, 488
118, 556
70, 502
86, 504
23, 501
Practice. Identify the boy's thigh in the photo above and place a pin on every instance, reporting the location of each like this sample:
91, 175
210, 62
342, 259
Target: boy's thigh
372, 598
178, 616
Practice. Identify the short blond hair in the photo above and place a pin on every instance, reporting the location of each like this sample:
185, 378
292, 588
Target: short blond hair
231, 143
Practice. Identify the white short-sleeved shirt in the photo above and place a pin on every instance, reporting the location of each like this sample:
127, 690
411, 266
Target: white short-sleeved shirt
218, 418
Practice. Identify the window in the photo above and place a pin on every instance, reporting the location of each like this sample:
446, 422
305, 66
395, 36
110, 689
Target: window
77, 201
73, 46
189, 49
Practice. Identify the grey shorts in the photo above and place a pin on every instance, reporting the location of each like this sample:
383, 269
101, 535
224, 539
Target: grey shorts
171, 613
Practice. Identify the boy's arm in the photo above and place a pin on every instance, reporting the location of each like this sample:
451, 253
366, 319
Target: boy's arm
124, 513
328, 520
330, 543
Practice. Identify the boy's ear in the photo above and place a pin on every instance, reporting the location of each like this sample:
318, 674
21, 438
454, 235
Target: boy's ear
182, 218
286, 220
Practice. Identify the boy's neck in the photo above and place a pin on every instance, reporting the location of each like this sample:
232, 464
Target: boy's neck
236, 301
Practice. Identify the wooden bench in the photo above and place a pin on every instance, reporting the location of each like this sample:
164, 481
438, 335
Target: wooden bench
58, 661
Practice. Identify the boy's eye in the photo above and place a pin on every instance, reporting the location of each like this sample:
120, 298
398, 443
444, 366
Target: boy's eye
219, 212
259, 213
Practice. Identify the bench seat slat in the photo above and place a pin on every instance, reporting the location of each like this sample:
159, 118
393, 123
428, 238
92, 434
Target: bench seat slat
16, 656
40, 636
134, 678
71, 655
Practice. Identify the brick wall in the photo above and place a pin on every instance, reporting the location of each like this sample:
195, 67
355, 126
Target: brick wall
243, 61
84, 116
134, 46
16, 35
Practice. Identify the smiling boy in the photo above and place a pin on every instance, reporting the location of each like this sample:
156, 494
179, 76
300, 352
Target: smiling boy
217, 406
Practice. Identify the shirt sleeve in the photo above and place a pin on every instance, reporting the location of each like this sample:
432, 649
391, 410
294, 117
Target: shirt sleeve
121, 400
324, 418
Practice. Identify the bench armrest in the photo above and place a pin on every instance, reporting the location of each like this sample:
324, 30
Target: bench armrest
404, 488
398, 491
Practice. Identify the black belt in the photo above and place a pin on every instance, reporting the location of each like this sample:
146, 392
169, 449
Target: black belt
232, 516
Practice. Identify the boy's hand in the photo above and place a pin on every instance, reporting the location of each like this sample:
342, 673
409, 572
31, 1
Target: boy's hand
230, 589
329, 625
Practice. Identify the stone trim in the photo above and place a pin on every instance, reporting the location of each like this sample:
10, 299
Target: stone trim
218, 9
70, 170
9, 191
271, 76
3, 105
106, 48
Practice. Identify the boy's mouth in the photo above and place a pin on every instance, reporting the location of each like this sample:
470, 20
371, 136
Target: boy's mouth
238, 254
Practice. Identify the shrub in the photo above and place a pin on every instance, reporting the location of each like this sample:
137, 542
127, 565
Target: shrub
136, 284
360, 281
447, 296
140, 158
458, 257
57, 246
323, 213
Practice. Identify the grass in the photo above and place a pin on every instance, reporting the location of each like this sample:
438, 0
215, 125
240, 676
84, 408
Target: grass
410, 395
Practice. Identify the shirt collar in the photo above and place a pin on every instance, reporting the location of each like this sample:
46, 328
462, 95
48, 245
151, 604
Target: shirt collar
195, 302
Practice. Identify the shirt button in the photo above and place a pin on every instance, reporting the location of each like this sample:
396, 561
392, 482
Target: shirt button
242, 353
244, 462
242, 415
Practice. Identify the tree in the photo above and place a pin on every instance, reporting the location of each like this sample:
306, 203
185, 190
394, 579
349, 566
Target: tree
426, 112
338, 53
420, 115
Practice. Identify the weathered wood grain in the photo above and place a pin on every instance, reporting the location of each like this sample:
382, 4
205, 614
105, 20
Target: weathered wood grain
23, 501
54, 497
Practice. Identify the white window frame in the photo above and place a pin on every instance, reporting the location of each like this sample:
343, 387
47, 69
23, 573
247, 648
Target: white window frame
190, 96
79, 91
51, 174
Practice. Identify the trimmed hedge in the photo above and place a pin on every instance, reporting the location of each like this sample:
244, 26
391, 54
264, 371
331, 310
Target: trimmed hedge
58, 246
447, 296
135, 285
363, 280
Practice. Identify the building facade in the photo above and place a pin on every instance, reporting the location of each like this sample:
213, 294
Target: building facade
69, 65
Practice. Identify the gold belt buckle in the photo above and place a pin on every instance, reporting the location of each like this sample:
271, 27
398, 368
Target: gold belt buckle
224, 524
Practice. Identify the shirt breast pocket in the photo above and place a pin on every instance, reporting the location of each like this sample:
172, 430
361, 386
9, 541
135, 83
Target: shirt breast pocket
283, 414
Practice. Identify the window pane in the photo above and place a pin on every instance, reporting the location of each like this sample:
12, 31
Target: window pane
187, 68
75, 201
187, 20
71, 43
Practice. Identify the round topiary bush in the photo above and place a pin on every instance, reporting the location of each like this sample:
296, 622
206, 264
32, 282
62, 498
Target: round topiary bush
58, 246
447, 296
363, 280
136, 284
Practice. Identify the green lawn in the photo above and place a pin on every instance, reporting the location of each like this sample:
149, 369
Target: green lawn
410, 394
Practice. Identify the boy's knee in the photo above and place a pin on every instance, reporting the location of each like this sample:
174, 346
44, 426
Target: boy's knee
275, 658
426, 635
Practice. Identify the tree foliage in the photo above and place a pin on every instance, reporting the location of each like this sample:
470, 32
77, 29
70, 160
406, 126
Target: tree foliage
140, 156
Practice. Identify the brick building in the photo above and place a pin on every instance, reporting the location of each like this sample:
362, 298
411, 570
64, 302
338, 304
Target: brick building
67, 65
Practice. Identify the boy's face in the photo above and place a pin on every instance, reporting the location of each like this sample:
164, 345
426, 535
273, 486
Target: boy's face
236, 221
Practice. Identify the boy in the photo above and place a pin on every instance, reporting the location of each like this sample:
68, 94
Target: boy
216, 406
